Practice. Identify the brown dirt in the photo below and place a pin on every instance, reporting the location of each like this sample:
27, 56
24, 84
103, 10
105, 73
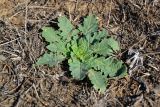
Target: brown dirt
134, 23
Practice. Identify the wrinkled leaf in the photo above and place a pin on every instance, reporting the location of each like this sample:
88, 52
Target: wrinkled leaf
50, 34
122, 71
90, 25
59, 47
74, 34
109, 67
113, 67
50, 59
101, 63
98, 36
113, 44
81, 49
78, 69
102, 48
97, 79
65, 26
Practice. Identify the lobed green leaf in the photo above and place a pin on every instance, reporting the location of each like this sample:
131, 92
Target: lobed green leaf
113, 44
97, 79
50, 34
102, 48
65, 26
50, 59
78, 69
90, 25
109, 66
98, 36
58, 47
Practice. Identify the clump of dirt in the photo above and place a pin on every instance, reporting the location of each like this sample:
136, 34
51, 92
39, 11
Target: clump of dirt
135, 24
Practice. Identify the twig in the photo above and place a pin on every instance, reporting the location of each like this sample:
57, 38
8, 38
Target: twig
70, 16
32, 20
42, 7
151, 53
153, 67
10, 41
109, 14
26, 15
134, 4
